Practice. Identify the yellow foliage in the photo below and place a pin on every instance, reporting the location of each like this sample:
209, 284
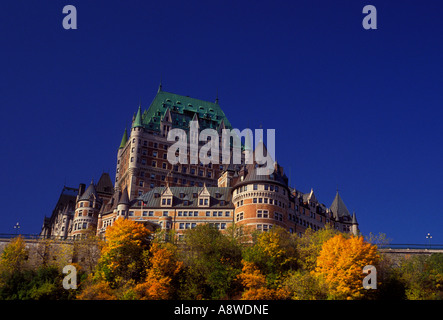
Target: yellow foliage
340, 265
14, 255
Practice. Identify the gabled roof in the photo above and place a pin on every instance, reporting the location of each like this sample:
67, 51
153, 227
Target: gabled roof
183, 109
312, 197
338, 208
204, 191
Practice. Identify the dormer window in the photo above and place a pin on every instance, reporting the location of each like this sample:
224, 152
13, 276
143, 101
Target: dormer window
166, 201
203, 202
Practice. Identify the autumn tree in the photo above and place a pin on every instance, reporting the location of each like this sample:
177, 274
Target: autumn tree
122, 256
273, 252
95, 289
303, 285
14, 256
265, 264
256, 285
163, 269
310, 245
423, 277
340, 265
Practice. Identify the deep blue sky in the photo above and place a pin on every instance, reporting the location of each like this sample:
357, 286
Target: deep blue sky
357, 109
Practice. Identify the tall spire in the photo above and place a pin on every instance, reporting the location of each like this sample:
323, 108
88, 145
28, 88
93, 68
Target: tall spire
138, 118
124, 139
216, 97
160, 85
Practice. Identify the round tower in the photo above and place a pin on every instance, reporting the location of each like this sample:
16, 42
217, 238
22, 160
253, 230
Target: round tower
261, 201
86, 212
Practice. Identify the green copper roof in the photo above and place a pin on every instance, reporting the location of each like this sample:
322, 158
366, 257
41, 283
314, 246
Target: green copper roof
182, 111
138, 119
124, 139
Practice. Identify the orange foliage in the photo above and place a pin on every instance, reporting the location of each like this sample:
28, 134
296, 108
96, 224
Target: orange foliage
164, 267
340, 265
255, 285
95, 291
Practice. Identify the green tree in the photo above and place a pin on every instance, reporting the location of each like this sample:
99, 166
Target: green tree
310, 245
423, 277
212, 261
266, 262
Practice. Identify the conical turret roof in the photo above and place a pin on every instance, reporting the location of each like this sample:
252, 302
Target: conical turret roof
338, 207
124, 139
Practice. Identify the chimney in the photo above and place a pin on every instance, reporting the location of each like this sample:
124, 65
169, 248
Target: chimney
81, 189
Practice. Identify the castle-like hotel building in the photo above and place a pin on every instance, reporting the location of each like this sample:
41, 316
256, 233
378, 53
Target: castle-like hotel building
150, 190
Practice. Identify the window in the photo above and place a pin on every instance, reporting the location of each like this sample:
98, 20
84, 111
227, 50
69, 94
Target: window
141, 183
154, 163
145, 213
131, 213
239, 216
208, 213
227, 213
254, 200
255, 186
262, 213
151, 213
165, 213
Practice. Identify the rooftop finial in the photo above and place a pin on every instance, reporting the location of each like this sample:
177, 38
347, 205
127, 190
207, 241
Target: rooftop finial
216, 97
160, 85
